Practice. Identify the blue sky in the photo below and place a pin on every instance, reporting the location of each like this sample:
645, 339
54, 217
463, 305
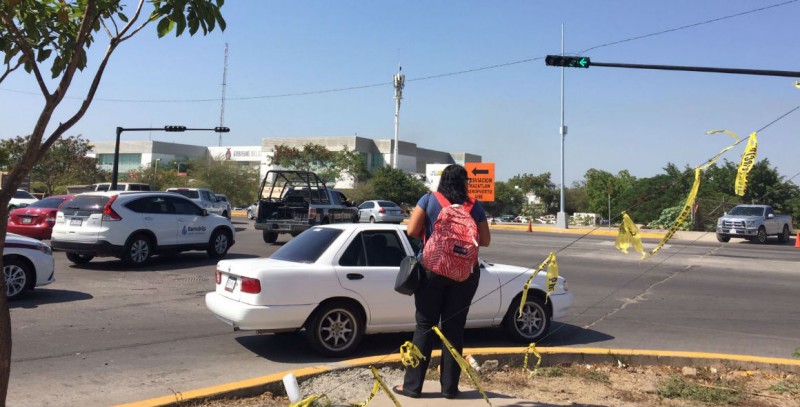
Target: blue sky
618, 119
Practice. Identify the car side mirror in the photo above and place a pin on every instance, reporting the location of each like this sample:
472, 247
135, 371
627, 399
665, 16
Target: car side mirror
205, 212
770, 216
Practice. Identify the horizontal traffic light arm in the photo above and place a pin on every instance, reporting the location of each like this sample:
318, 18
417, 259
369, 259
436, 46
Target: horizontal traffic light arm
585, 62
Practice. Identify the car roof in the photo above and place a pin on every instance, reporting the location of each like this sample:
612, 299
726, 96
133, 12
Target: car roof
362, 226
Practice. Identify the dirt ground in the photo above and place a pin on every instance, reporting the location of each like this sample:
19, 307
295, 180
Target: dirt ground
574, 384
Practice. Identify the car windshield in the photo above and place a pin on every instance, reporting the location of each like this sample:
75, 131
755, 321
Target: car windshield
187, 193
85, 203
746, 211
307, 246
51, 202
23, 195
387, 204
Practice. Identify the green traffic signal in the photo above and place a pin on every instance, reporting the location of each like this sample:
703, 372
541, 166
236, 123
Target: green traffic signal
570, 62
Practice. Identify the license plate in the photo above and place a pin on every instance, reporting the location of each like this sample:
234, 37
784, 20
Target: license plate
75, 222
733, 231
27, 220
230, 284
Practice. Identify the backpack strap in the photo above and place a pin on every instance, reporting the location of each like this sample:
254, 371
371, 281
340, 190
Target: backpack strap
442, 200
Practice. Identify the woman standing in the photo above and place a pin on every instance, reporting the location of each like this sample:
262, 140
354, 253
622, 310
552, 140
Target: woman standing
438, 298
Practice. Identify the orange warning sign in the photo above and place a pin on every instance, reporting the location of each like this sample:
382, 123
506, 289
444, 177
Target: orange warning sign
481, 181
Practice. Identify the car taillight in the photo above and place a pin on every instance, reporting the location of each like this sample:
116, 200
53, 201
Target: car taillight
108, 213
251, 285
382, 210
218, 276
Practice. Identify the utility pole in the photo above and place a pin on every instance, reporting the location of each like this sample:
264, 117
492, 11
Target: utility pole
399, 81
561, 218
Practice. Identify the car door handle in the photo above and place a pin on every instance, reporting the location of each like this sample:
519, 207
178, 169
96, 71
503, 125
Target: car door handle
148, 218
354, 276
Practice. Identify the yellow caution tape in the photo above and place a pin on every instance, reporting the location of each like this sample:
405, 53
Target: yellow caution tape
410, 354
552, 277
628, 236
377, 386
531, 349
306, 402
687, 206
797, 85
746, 164
473, 375
528, 283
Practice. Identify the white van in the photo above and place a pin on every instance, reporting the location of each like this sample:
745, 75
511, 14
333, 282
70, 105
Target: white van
123, 186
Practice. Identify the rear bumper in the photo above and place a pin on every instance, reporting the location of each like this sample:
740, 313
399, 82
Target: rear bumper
39, 231
99, 249
266, 318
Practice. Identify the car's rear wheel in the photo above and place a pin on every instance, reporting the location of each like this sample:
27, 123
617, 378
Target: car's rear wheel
219, 244
534, 322
761, 237
250, 215
19, 277
138, 250
723, 238
371, 219
335, 329
784, 236
270, 237
78, 258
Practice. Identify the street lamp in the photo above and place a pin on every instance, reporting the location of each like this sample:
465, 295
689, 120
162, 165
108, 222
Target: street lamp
169, 129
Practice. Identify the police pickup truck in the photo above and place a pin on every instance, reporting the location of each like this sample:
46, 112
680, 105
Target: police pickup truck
754, 223
293, 201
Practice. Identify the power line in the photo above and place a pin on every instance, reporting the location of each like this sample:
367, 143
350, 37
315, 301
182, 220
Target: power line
462, 72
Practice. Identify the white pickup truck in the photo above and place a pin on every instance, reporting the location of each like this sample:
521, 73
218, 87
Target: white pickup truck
754, 223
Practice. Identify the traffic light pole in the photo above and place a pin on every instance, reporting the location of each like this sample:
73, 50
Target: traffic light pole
169, 129
763, 72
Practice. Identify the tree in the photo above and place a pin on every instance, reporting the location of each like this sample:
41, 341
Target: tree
507, 200
239, 183
36, 34
328, 165
540, 185
397, 186
63, 164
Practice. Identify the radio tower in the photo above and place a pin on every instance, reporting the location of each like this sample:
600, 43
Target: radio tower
224, 84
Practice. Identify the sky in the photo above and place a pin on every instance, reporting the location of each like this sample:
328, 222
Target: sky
476, 81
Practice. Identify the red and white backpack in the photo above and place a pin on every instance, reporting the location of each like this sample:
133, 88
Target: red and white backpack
452, 249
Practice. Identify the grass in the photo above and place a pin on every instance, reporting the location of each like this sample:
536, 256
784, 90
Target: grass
679, 387
784, 386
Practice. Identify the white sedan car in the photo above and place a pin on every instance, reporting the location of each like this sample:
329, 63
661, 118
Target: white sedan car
335, 283
27, 263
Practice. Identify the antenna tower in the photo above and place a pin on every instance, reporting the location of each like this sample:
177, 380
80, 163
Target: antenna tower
224, 85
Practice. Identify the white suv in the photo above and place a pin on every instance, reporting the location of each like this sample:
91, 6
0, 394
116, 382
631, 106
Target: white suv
135, 225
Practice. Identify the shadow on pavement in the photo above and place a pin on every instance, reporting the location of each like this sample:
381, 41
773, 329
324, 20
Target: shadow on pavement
42, 296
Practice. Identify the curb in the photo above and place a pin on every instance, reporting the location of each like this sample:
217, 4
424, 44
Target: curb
550, 356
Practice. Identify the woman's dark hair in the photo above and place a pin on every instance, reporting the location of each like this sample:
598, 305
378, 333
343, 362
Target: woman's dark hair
453, 184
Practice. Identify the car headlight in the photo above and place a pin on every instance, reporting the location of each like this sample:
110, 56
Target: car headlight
751, 224
44, 249
566, 287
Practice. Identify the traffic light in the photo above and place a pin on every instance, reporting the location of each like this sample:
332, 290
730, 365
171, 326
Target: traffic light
570, 62
222, 129
174, 129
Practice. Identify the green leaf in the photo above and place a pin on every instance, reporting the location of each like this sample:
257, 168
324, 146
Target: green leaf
165, 26
44, 54
123, 17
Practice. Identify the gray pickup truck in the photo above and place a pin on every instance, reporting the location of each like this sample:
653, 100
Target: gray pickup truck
754, 223
293, 201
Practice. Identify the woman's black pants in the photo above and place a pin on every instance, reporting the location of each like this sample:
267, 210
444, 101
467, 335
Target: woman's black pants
440, 299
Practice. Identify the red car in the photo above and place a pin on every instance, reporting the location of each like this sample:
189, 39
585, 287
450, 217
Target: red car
36, 220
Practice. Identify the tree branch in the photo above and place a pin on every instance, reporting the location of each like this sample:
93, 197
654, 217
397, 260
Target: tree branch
131, 21
26, 50
9, 70
89, 17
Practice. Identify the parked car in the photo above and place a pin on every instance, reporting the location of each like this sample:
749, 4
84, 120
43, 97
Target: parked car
506, 218
37, 219
380, 211
27, 263
334, 283
252, 211
135, 225
223, 198
21, 199
205, 199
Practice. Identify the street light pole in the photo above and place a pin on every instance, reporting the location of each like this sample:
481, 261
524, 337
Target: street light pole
169, 129
561, 219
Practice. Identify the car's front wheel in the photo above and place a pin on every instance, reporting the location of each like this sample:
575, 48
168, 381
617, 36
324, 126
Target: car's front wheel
335, 329
78, 258
534, 322
723, 238
219, 244
761, 237
19, 277
138, 250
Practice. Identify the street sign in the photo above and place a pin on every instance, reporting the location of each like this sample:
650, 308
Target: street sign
481, 177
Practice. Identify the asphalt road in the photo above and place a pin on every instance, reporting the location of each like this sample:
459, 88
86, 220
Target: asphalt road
104, 334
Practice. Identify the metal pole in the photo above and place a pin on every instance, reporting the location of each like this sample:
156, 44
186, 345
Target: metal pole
115, 168
399, 81
561, 219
